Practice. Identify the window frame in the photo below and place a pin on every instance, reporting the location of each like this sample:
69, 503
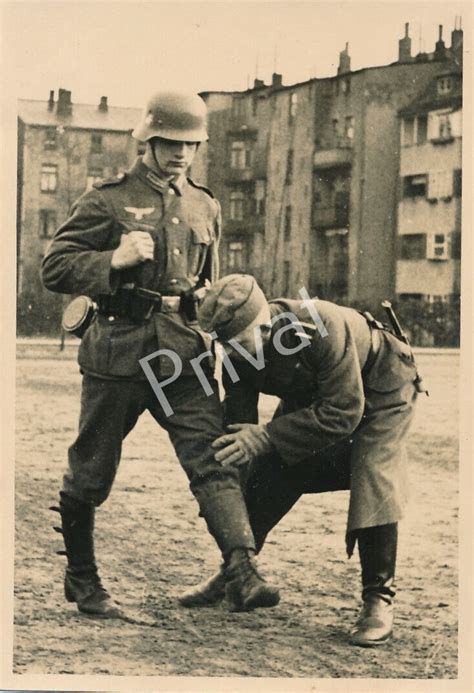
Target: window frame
49, 179
97, 143
47, 220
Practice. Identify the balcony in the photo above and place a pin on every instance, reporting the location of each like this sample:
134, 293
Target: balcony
333, 158
250, 225
331, 217
334, 153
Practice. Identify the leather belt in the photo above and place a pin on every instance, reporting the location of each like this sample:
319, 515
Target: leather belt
138, 304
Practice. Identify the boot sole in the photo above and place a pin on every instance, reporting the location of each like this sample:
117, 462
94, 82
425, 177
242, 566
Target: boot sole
371, 643
200, 605
113, 613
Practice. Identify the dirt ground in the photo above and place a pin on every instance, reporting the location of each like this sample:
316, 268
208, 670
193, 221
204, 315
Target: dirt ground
151, 544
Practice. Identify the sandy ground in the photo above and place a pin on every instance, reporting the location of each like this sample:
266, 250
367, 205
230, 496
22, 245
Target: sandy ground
151, 544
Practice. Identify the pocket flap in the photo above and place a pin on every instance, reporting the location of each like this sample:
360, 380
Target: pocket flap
202, 233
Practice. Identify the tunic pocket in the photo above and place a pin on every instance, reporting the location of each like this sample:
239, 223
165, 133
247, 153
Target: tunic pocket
202, 236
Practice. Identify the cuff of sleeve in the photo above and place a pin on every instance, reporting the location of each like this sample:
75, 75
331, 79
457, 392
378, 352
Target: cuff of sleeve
93, 273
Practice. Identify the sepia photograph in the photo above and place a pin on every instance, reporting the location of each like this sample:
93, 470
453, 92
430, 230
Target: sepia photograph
237, 358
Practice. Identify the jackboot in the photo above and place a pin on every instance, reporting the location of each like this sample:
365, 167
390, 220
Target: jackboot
245, 587
228, 522
378, 553
82, 583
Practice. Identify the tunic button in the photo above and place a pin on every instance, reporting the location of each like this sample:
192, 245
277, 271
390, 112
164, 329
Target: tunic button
170, 191
173, 281
176, 251
111, 318
175, 220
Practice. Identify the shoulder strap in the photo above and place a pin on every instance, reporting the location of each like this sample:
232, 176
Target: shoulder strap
200, 187
114, 180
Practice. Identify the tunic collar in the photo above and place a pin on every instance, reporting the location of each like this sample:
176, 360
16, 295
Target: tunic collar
152, 179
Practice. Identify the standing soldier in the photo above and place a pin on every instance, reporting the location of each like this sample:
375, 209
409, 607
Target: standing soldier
140, 245
347, 389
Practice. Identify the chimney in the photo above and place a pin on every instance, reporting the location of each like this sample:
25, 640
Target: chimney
440, 48
404, 47
344, 61
277, 80
258, 83
457, 39
51, 101
64, 102
103, 106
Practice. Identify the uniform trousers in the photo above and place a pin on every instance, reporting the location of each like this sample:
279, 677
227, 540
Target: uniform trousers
110, 410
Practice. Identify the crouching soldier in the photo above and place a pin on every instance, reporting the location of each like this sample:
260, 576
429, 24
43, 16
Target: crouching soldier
347, 389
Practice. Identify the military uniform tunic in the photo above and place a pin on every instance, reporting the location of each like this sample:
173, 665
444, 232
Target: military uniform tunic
344, 412
184, 222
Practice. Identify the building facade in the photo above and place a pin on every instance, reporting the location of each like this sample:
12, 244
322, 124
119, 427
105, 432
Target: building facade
429, 210
307, 175
63, 148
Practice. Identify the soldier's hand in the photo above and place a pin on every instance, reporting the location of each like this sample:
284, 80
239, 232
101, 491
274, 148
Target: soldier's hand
243, 444
135, 247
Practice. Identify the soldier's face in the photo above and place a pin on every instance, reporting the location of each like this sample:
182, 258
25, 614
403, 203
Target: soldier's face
251, 340
173, 157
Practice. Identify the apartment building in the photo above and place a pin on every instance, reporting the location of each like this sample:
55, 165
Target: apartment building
63, 148
429, 210
307, 174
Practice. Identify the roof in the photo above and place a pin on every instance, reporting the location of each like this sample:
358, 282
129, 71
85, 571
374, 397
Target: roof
431, 100
83, 116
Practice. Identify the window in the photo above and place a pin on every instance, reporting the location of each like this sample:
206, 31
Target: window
415, 186
421, 129
287, 227
445, 84
96, 143
237, 205
408, 131
349, 127
457, 182
49, 178
241, 155
51, 138
289, 167
440, 127
47, 223
293, 104
235, 255
92, 177
335, 126
413, 246
437, 247
444, 127
238, 105
260, 192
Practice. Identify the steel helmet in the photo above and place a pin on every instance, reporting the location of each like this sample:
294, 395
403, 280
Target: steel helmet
173, 115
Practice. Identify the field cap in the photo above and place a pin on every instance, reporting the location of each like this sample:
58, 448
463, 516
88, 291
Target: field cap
230, 305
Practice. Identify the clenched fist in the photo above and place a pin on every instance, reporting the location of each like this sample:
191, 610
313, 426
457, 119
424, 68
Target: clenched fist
135, 247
